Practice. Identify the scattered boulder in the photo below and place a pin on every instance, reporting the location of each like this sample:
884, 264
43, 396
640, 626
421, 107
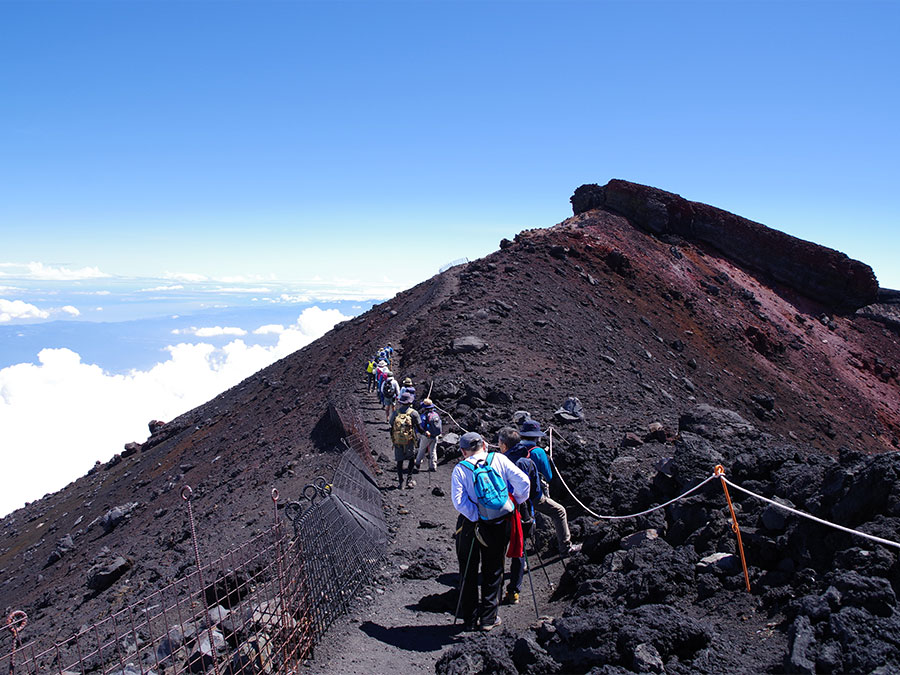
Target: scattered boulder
716, 424
131, 449
106, 572
116, 516
467, 344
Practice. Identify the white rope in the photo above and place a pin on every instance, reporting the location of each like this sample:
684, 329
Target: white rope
464, 430
886, 542
630, 515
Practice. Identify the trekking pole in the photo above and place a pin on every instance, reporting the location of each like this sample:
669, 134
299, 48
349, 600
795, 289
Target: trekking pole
429, 389
462, 582
541, 560
537, 614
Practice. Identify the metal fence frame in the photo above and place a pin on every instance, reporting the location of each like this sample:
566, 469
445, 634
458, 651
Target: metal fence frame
258, 609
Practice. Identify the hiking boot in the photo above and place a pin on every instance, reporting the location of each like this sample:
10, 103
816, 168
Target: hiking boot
512, 598
491, 626
573, 549
410, 484
431, 469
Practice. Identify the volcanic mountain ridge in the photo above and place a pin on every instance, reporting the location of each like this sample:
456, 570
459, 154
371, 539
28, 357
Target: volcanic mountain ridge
774, 357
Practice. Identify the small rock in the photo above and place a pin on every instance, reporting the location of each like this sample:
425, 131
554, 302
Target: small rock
646, 659
638, 539
725, 562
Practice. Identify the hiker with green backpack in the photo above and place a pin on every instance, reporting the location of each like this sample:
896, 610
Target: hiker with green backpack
485, 488
404, 422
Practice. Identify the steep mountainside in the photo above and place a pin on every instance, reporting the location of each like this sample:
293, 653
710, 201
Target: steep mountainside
642, 323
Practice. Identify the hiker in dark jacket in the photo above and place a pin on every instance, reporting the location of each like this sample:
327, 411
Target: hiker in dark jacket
530, 431
405, 421
481, 543
516, 451
430, 432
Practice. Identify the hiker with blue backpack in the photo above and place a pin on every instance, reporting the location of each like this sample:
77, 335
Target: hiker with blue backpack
485, 488
516, 451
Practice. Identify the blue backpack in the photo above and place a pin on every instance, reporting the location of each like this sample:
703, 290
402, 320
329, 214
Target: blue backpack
491, 492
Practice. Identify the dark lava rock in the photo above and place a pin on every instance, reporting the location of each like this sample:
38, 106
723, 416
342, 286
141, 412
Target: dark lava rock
615, 637
105, 573
477, 656
116, 516
694, 459
530, 657
131, 449
717, 424
467, 344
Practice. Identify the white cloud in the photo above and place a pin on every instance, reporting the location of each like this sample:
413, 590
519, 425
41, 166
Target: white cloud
269, 329
214, 331
16, 309
239, 289
186, 276
156, 289
63, 414
296, 299
210, 331
7, 289
69, 309
40, 271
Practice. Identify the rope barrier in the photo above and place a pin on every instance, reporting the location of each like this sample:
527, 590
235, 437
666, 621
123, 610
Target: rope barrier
630, 515
460, 426
879, 540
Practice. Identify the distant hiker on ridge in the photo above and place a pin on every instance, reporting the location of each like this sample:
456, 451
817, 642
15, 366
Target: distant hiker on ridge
530, 431
480, 489
430, 432
370, 375
404, 422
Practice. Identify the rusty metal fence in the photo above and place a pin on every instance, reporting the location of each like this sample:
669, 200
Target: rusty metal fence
258, 609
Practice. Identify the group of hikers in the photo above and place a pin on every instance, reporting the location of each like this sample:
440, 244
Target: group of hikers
496, 493
415, 426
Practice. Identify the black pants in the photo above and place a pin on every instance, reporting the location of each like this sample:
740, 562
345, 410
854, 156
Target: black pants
472, 555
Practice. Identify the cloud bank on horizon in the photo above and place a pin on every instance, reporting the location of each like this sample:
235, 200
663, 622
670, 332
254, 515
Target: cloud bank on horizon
61, 415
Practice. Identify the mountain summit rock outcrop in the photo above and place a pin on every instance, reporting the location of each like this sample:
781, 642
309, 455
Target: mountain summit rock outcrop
818, 272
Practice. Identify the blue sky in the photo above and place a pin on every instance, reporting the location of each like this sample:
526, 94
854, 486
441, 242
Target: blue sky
214, 183
300, 138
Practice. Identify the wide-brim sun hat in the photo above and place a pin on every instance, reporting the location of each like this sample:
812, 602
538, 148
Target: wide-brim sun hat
531, 429
406, 397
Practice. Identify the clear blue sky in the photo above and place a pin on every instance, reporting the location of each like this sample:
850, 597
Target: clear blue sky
301, 138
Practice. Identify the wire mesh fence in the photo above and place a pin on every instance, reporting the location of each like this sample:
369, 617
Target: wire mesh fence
258, 609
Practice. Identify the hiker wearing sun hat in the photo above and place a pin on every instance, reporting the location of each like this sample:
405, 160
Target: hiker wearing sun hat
530, 431
430, 432
405, 421
483, 526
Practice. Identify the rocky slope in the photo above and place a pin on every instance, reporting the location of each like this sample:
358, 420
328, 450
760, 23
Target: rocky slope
640, 307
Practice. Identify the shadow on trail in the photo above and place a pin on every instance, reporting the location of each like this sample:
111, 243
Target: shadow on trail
418, 638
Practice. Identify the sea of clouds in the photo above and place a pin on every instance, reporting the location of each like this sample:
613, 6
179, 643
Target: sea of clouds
60, 415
